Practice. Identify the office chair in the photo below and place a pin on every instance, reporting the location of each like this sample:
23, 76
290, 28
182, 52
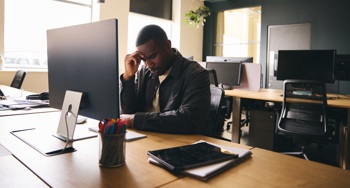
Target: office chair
18, 79
304, 112
213, 78
228, 101
215, 119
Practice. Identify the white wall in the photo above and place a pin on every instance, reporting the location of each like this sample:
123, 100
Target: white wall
189, 40
35, 81
119, 10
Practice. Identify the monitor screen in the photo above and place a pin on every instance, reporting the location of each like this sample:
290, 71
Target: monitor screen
228, 73
229, 59
342, 67
84, 58
306, 65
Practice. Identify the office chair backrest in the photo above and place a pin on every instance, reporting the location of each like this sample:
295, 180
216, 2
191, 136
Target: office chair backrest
227, 106
304, 108
18, 79
215, 118
213, 77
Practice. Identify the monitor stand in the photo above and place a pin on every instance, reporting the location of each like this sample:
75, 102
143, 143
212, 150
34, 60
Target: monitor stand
226, 86
69, 115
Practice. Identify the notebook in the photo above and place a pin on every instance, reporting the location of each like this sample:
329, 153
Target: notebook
208, 171
191, 156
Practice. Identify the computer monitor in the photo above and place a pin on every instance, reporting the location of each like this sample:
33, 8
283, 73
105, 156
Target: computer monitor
306, 65
229, 59
342, 67
228, 73
84, 58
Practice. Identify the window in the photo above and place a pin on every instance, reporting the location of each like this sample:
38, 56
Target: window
26, 23
239, 33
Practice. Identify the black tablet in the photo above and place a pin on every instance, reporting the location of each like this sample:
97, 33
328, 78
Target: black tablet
191, 156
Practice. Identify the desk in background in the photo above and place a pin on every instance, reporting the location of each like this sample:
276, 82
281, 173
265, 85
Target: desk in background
17, 93
274, 95
13, 92
81, 169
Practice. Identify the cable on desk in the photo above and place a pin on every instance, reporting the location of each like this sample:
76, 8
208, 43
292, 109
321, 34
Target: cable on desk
67, 130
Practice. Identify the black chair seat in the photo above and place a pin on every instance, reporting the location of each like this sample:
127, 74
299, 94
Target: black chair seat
306, 116
301, 127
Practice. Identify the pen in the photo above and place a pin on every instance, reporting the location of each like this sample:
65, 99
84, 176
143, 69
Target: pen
112, 126
123, 128
119, 128
101, 126
111, 129
105, 129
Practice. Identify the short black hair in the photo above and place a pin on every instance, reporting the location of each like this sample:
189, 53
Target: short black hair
151, 32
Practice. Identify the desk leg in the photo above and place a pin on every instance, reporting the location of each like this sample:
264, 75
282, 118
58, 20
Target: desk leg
236, 119
346, 162
344, 143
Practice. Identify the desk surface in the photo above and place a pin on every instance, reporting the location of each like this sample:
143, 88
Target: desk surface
11, 167
15, 174
274, 95
269, 169
81, 169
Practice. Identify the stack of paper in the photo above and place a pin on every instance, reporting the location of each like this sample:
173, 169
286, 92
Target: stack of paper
208, 171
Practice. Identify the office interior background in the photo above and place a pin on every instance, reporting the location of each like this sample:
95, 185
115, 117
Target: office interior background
328, 22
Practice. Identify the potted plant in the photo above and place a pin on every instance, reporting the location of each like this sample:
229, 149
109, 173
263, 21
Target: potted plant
197, 17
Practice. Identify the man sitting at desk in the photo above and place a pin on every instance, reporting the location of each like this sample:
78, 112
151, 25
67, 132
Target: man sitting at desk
168, 93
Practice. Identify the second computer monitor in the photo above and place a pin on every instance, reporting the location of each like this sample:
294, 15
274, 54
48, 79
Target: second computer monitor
228, 73
306, 65
229, 59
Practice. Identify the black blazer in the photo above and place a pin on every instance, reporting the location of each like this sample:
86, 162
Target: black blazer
184, 98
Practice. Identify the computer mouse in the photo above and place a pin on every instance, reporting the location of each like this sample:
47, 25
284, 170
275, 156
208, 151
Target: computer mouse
81, 119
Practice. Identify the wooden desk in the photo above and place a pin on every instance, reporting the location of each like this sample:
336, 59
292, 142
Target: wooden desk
270, 169
15, 174
80, 168
274, 95
17, 93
